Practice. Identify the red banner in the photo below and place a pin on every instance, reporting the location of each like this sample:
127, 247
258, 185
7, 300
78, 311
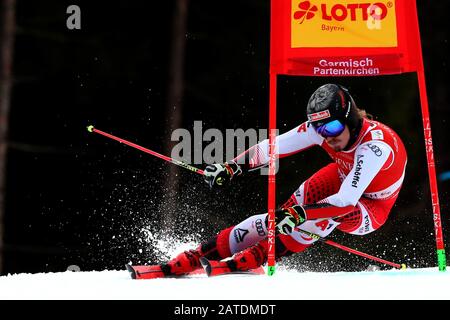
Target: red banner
344, 38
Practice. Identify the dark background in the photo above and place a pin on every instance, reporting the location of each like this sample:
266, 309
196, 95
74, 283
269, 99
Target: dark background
73, 198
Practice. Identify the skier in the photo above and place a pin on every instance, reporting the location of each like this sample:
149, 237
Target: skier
354, 193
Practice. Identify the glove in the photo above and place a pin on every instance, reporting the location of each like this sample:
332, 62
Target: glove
286, 219
218, 175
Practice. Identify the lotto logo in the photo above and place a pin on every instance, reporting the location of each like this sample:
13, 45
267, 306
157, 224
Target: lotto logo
307, 11
341, 12
338, 23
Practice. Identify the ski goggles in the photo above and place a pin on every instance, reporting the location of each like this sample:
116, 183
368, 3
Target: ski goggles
330, 129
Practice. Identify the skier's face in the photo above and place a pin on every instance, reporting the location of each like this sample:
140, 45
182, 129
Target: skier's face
340, 142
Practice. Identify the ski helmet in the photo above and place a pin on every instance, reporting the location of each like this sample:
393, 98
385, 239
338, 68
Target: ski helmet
330, 108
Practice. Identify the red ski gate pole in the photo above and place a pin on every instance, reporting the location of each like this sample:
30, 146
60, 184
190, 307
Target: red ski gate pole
272, 170
440, 247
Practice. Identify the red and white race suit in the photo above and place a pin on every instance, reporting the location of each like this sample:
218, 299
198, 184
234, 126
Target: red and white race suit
362, 185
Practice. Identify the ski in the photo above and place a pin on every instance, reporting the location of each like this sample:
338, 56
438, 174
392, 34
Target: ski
155, 272
210, 267
218, 268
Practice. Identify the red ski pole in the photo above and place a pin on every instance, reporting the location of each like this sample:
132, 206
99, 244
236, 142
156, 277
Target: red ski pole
153, 153
359, 253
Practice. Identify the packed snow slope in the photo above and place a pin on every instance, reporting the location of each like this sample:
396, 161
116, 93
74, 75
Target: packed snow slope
408, 284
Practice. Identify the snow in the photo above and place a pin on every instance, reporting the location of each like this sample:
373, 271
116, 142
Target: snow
423, 284
416, 284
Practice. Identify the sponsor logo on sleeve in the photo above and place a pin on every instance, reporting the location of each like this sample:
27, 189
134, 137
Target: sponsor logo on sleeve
375, 149
239, 234
303, 127
358, 168
377, 135
366, 227
259, 227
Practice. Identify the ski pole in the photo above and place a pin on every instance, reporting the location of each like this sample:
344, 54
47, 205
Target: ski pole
359, 253
156, 154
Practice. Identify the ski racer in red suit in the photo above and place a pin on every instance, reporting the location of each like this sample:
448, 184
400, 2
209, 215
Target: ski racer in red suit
354, 193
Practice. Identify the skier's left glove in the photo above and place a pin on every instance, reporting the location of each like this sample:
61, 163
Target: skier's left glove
218, 175
286, 219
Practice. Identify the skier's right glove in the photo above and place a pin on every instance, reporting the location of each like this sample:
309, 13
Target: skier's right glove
218, 175
286, 219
